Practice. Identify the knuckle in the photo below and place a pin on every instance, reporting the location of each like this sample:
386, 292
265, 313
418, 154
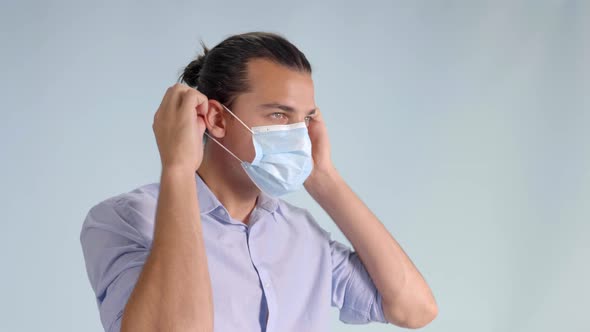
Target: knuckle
191, 95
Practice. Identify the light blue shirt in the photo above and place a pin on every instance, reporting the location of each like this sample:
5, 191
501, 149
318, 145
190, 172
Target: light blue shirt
282, 264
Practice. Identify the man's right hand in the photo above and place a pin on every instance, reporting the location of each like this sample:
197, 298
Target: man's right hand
179, 126
173, 290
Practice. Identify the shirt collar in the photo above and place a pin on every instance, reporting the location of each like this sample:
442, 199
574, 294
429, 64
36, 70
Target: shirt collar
209, 202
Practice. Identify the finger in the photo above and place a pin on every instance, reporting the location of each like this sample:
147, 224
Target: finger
318, 115
192, 101
166, 98
202, 104
201, 126
164, 104
174, 97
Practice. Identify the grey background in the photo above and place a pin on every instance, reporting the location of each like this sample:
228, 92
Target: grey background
463, 125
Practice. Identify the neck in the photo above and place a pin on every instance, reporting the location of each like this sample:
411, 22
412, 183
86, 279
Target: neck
238, 198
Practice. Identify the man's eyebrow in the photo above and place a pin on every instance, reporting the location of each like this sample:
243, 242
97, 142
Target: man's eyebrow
284, 107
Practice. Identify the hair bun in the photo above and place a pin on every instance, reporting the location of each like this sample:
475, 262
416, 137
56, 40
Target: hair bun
192, 72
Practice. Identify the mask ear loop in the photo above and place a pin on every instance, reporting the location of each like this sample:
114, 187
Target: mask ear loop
226, 149
235, 116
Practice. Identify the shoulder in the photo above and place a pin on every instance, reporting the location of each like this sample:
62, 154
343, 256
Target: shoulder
129, 212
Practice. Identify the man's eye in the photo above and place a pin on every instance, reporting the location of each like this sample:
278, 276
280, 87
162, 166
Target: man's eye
278, 115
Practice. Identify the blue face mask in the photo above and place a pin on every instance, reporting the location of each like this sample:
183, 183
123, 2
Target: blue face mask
283, 157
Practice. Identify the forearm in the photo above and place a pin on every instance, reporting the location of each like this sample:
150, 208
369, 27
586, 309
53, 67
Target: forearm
173, 292
407, 299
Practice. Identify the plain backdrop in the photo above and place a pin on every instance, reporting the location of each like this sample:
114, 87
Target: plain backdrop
464, 125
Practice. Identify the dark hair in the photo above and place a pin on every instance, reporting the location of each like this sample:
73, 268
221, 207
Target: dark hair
220, 73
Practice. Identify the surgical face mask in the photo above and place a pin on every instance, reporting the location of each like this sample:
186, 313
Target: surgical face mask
283, 157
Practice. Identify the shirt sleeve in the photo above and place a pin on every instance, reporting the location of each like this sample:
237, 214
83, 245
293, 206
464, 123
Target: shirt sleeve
353, 291
114, 253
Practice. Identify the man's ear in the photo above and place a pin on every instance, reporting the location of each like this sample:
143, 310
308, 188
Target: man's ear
215, 121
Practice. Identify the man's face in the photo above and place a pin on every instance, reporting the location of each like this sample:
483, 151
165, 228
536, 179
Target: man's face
278, 95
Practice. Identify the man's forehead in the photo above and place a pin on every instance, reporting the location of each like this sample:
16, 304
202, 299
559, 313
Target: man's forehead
272, 83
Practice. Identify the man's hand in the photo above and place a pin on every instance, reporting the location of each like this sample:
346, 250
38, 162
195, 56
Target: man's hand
179, 126
322, 160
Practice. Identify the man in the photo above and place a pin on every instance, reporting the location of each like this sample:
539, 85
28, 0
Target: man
212, 247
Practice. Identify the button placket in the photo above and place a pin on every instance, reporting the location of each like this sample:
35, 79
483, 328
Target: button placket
271, 303
265, 282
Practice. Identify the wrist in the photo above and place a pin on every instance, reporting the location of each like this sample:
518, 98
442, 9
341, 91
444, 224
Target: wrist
320, 178
178, 170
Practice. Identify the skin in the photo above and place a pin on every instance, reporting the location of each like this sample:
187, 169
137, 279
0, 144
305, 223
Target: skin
178, 243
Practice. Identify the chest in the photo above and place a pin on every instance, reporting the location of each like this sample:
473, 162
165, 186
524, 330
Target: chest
268, 274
